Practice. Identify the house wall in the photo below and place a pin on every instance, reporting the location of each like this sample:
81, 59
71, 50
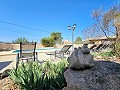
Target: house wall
100, 41
95, 41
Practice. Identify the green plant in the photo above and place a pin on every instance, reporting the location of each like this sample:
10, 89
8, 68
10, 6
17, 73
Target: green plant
117, 48
107, 54
78, 40
47, 42
36, 76
104, 54
56, 36
17, 41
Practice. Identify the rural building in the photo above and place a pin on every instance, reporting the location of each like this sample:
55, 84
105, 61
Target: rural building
101, 40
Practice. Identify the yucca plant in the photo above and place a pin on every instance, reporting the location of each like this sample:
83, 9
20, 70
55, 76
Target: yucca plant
36, 76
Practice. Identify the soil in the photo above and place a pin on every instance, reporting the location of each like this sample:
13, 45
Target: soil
7, 84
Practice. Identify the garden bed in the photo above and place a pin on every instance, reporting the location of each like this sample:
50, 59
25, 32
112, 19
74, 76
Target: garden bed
33, 75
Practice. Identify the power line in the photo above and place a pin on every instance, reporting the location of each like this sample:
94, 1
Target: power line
13, 31
28, 27
16, 31
24, 26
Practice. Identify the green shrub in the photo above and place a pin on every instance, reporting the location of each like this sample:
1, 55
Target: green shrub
78, 40
47, 42
23, 40
117, 48
107, 54
35, 76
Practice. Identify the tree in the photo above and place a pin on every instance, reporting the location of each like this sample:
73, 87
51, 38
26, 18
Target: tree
1, 42
48, 42
23, 40
105, 22
78, 40
56, 37
92, 32
104, 25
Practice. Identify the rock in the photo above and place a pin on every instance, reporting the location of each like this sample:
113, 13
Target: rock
105, 75
85, 49
79, 60
5, 73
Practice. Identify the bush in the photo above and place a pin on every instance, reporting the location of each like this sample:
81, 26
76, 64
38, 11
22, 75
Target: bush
23, 40
104, 55
35, 76
78, 40
117, 48
47, 42
107, 54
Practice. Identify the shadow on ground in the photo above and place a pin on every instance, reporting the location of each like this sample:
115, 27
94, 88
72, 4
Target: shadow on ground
4, 64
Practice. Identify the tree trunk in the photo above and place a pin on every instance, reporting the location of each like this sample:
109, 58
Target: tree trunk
118, 32
117, 43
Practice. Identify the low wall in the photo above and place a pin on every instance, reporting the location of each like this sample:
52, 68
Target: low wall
17, 46
39, 46
7, 47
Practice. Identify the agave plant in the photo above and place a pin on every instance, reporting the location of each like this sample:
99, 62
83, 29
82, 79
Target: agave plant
36, 76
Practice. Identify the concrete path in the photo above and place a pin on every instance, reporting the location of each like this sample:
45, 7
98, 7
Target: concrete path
8, 60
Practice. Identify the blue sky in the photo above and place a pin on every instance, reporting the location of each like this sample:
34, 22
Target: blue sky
46, 16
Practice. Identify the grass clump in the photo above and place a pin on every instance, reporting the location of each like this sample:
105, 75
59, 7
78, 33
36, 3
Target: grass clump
36, 76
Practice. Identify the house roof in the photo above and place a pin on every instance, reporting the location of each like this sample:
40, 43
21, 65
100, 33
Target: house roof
101, 38
66, 42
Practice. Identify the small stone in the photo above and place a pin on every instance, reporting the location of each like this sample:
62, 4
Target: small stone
79, 60
5, 73
85, 49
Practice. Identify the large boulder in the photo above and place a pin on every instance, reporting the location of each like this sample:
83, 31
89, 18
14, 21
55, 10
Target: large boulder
105, 75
